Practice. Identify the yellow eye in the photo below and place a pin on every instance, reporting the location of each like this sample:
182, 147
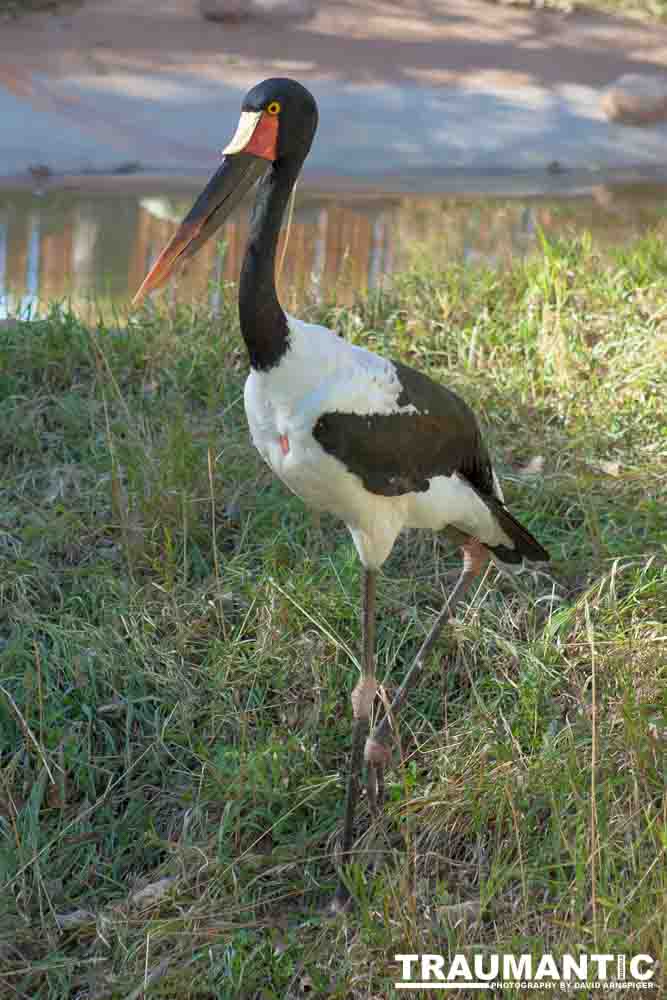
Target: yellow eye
273, 108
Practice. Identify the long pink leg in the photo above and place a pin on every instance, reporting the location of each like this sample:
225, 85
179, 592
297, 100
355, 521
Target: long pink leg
377, 752
362, 703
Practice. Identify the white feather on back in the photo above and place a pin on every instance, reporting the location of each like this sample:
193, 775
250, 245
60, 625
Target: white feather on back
322, 373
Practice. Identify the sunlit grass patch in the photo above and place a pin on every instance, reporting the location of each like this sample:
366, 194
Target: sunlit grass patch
179, 636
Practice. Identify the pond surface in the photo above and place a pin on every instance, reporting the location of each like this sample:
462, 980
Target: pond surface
94, 248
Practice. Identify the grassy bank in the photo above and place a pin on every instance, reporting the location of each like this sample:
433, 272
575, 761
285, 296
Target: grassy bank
10, 9
178, 640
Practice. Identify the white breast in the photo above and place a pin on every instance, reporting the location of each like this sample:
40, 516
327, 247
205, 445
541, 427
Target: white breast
321, 373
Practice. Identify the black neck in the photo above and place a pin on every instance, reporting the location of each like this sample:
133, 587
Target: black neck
263, 322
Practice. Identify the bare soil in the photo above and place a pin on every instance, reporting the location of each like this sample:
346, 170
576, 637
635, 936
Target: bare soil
412, 41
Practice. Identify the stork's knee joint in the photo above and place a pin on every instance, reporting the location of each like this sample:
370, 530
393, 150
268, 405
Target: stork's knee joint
363, 697
475, 556
377, 753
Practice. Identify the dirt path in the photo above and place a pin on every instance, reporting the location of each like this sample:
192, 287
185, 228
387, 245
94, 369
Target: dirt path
459, 85
413, 41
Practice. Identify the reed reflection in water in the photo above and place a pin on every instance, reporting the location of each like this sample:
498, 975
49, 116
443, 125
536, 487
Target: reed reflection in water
94, 250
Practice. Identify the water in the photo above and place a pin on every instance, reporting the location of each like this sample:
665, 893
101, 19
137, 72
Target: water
94, 248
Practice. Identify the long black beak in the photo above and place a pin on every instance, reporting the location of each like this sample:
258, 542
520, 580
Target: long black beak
233, 178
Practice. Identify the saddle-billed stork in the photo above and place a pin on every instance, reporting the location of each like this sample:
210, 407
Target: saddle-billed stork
374, 442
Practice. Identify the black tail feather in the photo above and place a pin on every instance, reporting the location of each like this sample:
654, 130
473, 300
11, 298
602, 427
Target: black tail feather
525, 545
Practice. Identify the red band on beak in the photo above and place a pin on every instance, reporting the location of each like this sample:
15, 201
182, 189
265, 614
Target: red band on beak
264, 140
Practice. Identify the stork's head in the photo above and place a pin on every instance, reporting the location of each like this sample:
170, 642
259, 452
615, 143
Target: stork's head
278, 121
277, 125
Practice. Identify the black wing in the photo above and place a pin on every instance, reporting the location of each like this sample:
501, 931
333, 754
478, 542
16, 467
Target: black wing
399, 453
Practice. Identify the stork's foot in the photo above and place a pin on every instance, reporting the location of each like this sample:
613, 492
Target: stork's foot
376, 757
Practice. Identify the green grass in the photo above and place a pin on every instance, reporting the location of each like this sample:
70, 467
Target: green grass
178, 639
11, 9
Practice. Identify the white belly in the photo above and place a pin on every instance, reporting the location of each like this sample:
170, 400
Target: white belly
450, 500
